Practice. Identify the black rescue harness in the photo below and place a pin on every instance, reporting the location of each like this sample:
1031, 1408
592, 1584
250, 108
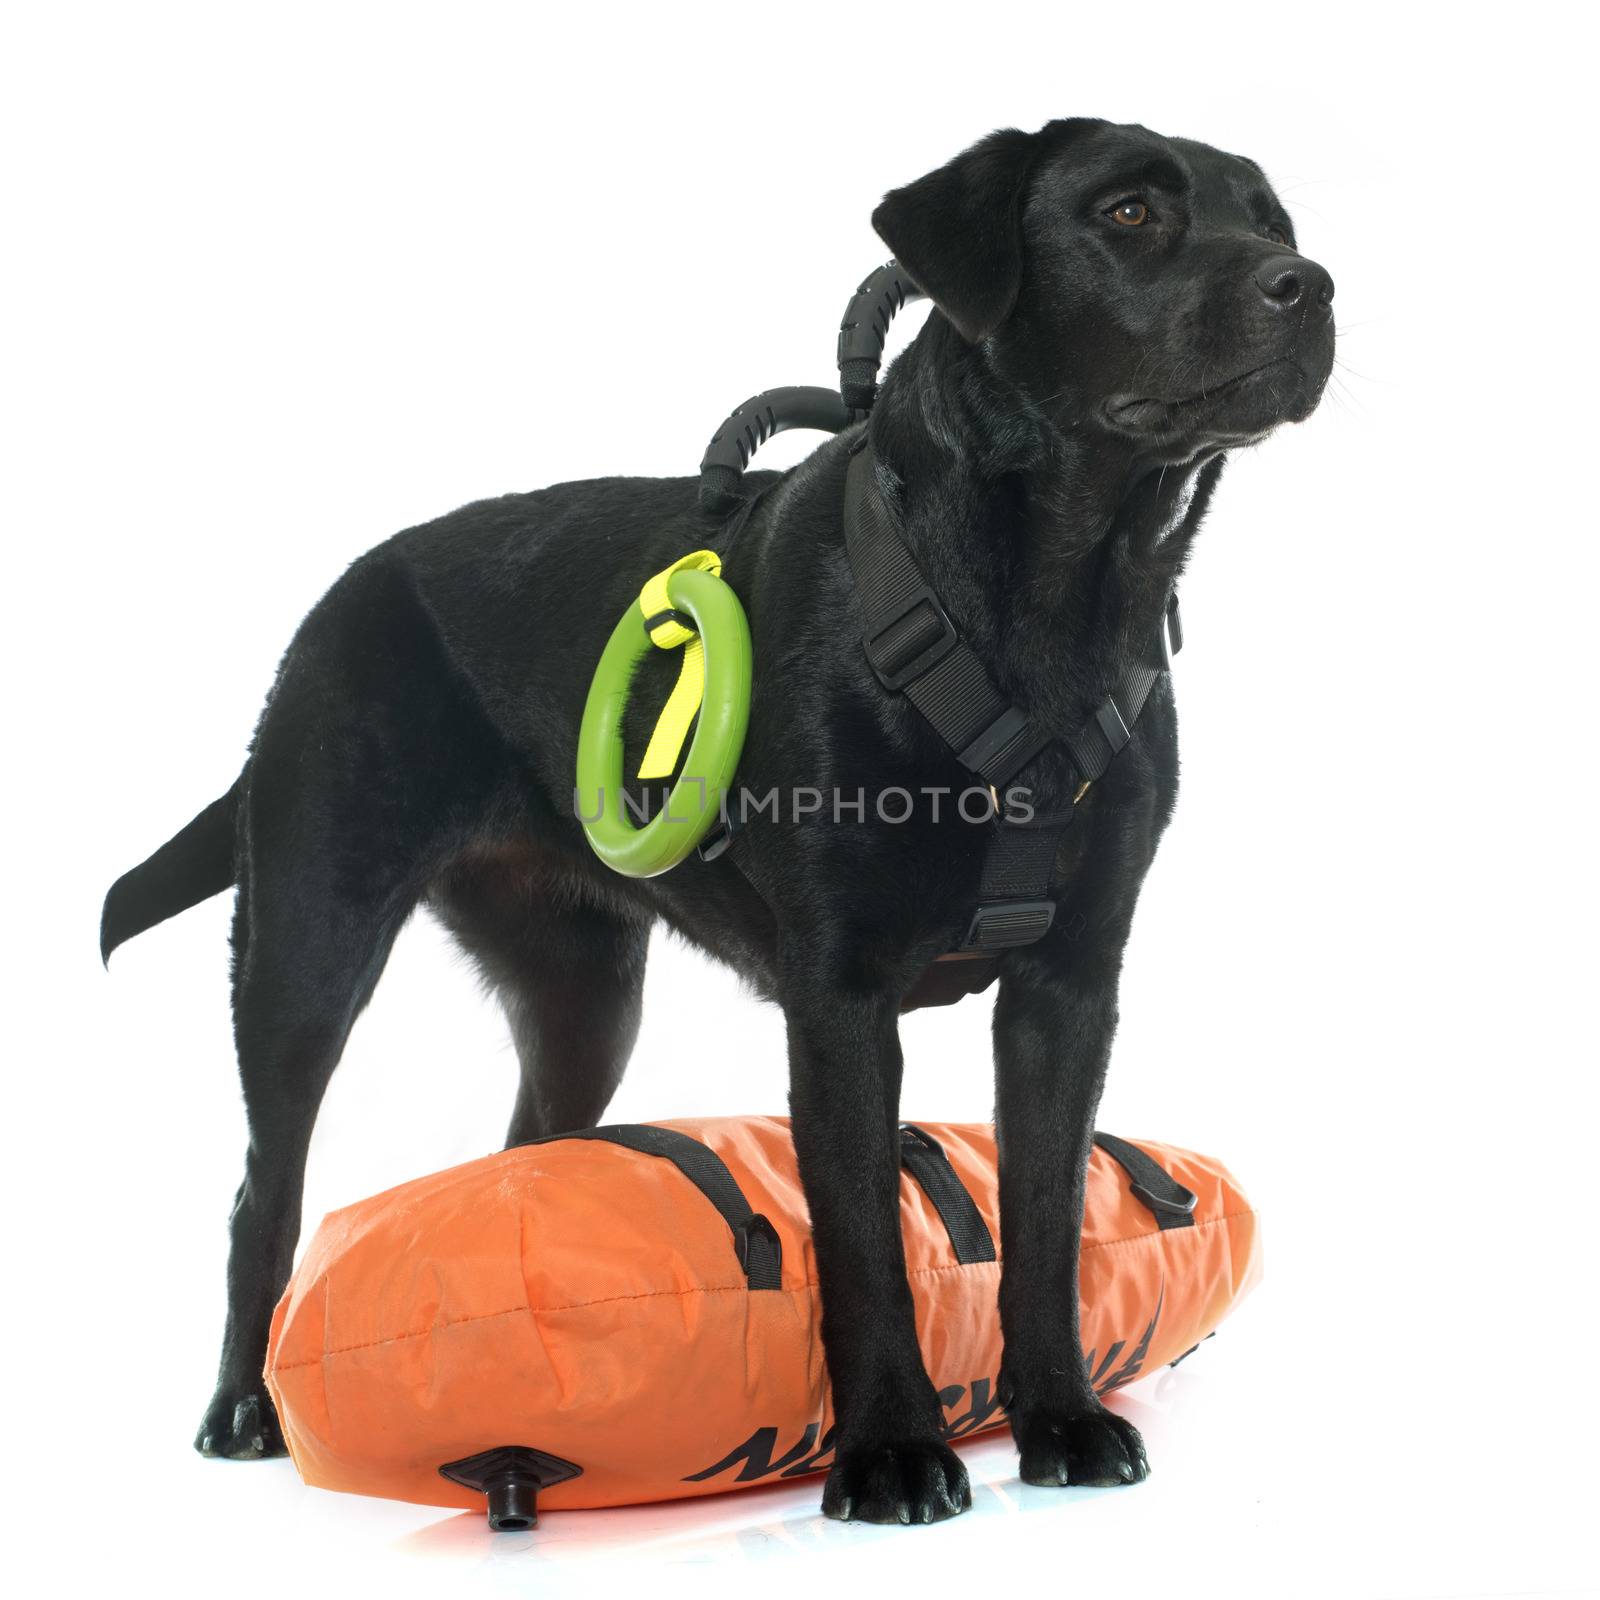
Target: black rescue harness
915, 650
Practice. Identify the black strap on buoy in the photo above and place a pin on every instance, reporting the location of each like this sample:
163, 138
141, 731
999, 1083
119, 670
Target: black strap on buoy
921, 1155
756, 1240
924, 1158
1157, 1190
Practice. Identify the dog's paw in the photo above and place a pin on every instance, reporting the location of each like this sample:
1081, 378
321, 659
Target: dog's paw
920, 1482
1099, 1450
240, 1427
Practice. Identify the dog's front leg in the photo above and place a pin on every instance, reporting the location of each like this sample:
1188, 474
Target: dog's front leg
1053, 1027
890, 1464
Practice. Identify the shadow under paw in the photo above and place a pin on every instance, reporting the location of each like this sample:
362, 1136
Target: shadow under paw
1097, 1450
919, 1482
240, 1428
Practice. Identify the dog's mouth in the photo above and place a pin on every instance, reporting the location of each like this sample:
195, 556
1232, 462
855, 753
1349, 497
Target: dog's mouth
1153, 414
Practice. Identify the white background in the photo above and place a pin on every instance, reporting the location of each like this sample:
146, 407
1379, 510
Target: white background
280, 280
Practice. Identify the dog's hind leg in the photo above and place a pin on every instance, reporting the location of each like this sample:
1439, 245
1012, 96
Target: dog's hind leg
372, 767
570, 974
300, 981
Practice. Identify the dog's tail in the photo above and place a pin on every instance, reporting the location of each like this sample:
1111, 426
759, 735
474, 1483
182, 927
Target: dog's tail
196, 863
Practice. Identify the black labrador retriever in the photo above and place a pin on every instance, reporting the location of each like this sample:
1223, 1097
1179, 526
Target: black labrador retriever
1113, 311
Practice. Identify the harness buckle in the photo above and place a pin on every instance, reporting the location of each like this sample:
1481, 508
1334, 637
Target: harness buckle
887, 656
1006, 924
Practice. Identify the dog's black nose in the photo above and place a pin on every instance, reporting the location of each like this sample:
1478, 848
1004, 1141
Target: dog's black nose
1292, 280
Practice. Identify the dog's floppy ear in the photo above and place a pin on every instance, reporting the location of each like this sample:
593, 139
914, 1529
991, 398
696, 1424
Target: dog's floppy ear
958, 231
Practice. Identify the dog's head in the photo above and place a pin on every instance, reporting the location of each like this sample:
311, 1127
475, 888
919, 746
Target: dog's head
1143, 287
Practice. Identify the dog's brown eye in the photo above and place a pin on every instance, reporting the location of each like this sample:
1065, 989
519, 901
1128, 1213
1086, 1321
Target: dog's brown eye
1130, 213
1277, 236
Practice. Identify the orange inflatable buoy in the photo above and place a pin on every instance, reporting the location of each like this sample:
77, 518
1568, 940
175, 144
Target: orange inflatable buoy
631, 1313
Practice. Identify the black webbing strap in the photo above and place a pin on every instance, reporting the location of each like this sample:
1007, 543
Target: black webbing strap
913, 648
924, 1158
760, 1251
1161, 1194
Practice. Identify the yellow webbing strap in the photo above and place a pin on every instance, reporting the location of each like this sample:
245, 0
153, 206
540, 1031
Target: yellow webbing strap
672, 726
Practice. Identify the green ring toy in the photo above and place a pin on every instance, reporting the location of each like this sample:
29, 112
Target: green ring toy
695, 802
